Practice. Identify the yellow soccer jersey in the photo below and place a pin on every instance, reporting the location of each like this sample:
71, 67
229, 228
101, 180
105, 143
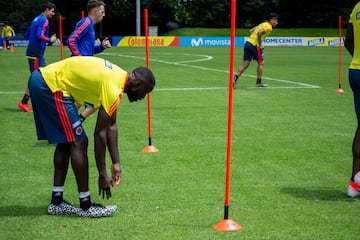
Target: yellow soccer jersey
8, 32
88, 80
253, 39
355, 20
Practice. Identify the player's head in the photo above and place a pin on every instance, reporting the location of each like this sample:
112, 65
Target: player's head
141, 81
96, 9
48, 8
273, 18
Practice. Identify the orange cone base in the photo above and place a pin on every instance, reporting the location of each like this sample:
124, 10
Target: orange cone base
339, 90
227, 225
150, 148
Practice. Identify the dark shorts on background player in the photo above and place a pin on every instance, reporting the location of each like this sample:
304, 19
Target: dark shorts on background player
253, 52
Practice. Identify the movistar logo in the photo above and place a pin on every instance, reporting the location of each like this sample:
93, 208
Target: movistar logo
196, 43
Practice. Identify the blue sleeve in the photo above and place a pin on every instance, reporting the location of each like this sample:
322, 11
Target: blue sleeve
81, 30
99, 49
42, 30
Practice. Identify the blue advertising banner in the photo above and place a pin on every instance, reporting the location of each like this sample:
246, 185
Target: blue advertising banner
209, 41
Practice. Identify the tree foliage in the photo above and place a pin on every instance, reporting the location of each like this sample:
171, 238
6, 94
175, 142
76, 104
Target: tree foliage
121, 14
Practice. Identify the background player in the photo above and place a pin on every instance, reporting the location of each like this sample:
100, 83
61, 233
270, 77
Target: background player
253, 48
38, 35
81, 42
7, 33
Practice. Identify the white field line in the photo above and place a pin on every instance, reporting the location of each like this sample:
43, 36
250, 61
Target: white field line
11, 92
201, 58
207, 58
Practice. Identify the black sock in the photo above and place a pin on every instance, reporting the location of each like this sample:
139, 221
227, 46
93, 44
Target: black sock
57, 198
258, 80
85, 203
25, 99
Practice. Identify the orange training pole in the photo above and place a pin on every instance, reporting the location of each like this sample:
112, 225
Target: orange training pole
339, 89
61, 38
228, 224
149, 148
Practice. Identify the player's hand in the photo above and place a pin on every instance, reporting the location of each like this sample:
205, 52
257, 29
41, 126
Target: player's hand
115, 174
106, 43
104, 187
53, 38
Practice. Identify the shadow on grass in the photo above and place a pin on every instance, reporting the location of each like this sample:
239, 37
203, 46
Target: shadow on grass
14, 109
317, 194
21, 211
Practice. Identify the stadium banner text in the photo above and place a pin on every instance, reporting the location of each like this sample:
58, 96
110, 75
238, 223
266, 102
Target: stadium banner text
198, 41
224, 41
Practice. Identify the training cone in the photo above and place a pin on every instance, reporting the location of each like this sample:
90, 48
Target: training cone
12, 48
150, 148
339, 90
227, 225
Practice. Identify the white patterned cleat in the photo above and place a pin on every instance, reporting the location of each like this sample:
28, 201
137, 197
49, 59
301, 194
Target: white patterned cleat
62, 208
97, 210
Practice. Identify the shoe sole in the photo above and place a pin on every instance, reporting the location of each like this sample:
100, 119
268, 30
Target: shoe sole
102, 212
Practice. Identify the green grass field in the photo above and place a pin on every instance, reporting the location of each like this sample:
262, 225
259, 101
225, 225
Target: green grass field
290, 163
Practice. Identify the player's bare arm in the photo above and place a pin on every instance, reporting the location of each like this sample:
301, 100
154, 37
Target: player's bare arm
100, 137
88, 111
112, 144
259, 35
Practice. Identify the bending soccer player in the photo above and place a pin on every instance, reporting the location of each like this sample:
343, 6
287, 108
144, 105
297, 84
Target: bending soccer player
57, 91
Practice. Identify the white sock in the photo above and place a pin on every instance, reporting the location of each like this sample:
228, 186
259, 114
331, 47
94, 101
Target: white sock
84, 194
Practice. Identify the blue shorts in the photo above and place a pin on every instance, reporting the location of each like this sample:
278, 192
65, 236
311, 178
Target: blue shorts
354, 80
253, 52
35, 57
56, 117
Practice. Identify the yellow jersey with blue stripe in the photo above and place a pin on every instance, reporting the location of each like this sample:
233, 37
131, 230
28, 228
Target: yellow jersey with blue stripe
90, 81
355, 21
253, 39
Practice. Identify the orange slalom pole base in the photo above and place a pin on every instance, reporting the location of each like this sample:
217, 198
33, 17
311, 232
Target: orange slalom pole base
227, 225
150, 148
339, 90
